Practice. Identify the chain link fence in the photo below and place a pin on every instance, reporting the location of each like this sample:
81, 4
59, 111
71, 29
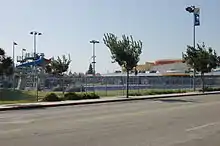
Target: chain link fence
25, 85
109, 85
114, 85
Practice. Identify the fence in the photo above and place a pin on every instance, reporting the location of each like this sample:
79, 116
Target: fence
108, 86
113, 85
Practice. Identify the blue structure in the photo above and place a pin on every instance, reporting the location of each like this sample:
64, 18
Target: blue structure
29, 60
40, 61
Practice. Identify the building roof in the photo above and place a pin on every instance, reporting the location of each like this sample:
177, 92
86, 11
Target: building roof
167, 61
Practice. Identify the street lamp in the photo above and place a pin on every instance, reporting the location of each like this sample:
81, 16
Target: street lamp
22, 53
13, 54
34, 34
196, 22
93, 54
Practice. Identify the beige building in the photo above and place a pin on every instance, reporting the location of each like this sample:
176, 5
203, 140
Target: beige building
145, 67
142, 67
162, 66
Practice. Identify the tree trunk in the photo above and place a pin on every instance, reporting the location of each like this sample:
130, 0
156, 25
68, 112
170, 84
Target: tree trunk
127, 89
62, 76
203, 83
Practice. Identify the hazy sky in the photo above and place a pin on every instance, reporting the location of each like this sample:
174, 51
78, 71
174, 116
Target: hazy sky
67, 26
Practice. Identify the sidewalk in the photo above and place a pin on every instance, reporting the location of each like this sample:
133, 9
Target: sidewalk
18, 106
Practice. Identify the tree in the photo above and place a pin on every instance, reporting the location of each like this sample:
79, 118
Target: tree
90, 71
58, 67
48, 69
126, 52
2, 52
6, 64
201, 59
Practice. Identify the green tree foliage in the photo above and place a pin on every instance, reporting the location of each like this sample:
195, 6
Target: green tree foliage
58, 66
126, 51
6, 64
2, 52
90, 70
201, 59
48, 69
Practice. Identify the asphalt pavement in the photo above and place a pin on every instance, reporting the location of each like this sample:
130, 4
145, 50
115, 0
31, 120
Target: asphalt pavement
182, 121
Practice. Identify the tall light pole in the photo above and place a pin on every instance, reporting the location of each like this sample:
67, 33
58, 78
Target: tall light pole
22, 53
93, 54
196, 22
35, 34
13, 54
93, 42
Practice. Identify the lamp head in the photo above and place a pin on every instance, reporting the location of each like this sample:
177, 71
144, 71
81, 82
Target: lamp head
94, 41
189, 9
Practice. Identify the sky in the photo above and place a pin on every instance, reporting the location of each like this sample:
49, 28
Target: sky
164, 27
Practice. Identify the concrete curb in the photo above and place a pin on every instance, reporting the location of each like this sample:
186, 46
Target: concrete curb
97, 101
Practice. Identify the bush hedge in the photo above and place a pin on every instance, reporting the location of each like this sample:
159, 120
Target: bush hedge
157, 92
210, 89
74, 96
70, 96
90, 96
51, 97
81, 96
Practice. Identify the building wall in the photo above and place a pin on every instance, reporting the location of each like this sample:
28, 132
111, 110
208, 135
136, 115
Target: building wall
163, 66
179, 66
145, 67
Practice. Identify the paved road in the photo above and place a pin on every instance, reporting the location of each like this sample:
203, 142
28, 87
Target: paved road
187, 121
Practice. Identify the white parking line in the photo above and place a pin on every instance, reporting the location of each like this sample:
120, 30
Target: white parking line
10, 131
202, 126
17, 122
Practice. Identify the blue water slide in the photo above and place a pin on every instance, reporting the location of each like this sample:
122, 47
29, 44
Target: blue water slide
36, 62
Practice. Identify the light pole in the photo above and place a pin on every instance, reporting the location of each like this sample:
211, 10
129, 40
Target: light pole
22, 54
34, 34
93, 61
13, 54
196, 14
93, 54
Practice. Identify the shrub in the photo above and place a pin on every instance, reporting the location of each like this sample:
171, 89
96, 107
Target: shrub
72, 96
90, 96
215, 89
51, 97
94, 96
210, 89
157, 92
135, 94
167, 91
